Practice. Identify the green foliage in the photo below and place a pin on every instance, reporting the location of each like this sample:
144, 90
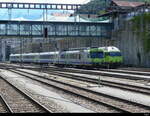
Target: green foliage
141, 25
101, 12
93, 7
99, 6
137, 0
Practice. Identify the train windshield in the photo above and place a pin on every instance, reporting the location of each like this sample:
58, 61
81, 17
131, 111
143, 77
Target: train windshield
97, 54
114, 54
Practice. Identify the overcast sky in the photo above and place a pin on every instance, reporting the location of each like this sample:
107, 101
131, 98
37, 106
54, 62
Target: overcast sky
50, 1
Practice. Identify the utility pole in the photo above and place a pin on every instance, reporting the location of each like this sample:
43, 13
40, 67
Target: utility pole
20, 52
4, 50
9, 12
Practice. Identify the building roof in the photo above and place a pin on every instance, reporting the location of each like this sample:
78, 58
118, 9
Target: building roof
127, 3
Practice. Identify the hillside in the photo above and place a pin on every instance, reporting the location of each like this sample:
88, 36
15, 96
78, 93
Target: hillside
93, 7
98, 6
138, 0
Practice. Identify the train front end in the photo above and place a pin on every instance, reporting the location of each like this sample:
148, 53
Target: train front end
106, 57
113, 57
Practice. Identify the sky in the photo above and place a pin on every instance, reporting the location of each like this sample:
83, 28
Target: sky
24, 14
50, 1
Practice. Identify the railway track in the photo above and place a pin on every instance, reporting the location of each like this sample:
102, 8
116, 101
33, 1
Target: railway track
119, 104
118, 73
122, 70
135, 69
127, 71
131, 87
111, 83
16, 101
132, 75
4, 107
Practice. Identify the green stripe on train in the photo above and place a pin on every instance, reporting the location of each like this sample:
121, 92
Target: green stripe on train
114, 59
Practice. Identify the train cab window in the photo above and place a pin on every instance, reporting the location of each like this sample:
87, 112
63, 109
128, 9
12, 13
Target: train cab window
114, 54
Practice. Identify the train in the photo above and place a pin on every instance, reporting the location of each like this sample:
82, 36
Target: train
109, 56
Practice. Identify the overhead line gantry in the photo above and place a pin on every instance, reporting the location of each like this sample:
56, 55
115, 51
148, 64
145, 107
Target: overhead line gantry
54, 29
48, 6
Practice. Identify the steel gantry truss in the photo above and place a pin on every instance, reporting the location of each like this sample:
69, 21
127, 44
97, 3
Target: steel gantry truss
16, 5
55, 29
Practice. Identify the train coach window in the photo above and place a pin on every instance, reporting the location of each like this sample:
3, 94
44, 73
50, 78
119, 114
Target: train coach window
30, 57
79, 56
97, 54
49, 57
70, 56
45, 57
63, 56
88, 55
74, 56
52, 56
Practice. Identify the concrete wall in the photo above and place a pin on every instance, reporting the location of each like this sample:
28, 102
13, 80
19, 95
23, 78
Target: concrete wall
131, 46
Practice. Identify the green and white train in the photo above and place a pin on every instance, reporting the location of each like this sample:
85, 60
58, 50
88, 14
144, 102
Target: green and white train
85, 57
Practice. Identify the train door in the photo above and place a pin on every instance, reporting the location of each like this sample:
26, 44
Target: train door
82, 57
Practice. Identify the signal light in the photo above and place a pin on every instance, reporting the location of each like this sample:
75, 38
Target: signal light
45, 32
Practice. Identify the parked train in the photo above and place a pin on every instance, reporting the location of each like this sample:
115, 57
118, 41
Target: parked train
89, 57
